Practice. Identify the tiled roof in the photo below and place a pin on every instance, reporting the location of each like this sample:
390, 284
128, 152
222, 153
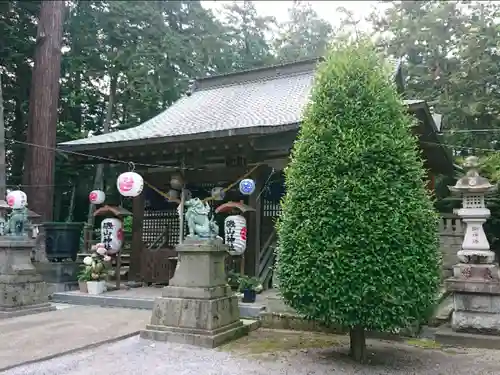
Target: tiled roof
265, 98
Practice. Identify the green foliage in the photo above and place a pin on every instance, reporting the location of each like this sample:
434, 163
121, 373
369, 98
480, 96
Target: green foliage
233, 279
358, 243
303, 35
85, 273
127, 224
248, 283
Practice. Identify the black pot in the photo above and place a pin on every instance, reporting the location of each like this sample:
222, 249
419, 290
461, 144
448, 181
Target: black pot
249, 296
62, 240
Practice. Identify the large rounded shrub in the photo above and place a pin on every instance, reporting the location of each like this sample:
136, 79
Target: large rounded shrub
358, 242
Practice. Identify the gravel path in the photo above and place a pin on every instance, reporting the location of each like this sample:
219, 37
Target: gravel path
136, 356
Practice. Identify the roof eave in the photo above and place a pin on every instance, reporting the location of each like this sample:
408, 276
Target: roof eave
255, 130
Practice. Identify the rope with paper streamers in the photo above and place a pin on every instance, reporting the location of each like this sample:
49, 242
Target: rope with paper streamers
229, 187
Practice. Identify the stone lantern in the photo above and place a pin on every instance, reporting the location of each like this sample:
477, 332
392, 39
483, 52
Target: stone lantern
475, 282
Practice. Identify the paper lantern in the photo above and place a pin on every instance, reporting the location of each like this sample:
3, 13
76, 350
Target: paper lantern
235, 233
112, 234
247, 186
17, 199
173, 194
176, 182
130, 184
187, 194
97, 196
218, 193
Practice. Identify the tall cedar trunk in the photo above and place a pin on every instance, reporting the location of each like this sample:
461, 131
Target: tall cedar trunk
2, 145
358, 344
42, 121
99, 172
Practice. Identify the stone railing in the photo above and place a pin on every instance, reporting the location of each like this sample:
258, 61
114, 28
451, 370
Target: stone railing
451, 233
451, 224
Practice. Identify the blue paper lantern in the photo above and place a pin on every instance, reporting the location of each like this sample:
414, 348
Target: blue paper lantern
247, 186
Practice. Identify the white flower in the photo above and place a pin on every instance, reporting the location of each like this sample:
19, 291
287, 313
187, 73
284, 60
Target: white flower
98, 245
107, 258
94, 255
93, 248
101, 251
87, 261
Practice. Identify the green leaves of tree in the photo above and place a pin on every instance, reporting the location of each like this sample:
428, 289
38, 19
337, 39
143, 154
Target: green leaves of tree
358, 235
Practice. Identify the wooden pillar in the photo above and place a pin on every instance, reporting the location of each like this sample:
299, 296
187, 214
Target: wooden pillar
252, 254
137, 244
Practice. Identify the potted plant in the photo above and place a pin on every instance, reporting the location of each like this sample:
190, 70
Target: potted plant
233, 280
249, 287
96, 267
83, 278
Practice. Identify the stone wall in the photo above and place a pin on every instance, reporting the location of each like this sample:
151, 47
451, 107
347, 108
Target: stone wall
451, 234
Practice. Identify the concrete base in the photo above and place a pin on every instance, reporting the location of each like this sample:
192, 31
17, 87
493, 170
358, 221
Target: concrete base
446, 336
275, 304
198, 337
60, 277
476, 302
61, 272
198, 307
53, 288
22, 289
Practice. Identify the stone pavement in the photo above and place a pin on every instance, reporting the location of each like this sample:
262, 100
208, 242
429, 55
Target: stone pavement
266, 352
45, 335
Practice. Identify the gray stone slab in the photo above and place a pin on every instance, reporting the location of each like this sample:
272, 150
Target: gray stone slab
205, 339
446, 336
475, 322
472, 286
22, 311
483, 303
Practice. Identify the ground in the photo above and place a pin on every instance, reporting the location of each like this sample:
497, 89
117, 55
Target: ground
263, 352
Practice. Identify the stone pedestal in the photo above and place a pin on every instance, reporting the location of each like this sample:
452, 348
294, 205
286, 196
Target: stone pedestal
476, 298
198, 307
22, 289
60, 277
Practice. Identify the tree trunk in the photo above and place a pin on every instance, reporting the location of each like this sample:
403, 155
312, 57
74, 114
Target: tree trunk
2, 145
99, 172
42, 121
358, 344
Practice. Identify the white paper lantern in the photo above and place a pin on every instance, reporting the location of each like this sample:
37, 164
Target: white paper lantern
130, 184
187, 194
173, 194
247, 186
218, 193
176, 182
235, 233
112, 234
97, 196
17, 199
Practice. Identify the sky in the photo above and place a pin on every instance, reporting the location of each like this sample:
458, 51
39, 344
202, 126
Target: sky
326, 9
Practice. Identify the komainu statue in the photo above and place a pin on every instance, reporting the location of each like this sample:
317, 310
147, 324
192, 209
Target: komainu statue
197, 218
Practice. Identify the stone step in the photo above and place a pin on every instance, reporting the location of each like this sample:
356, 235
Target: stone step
247, 310
446, 336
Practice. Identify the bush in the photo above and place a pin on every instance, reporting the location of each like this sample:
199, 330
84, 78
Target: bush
358, 242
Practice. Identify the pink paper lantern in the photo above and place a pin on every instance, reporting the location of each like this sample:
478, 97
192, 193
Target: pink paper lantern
97, 196
17, 199
130, 184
